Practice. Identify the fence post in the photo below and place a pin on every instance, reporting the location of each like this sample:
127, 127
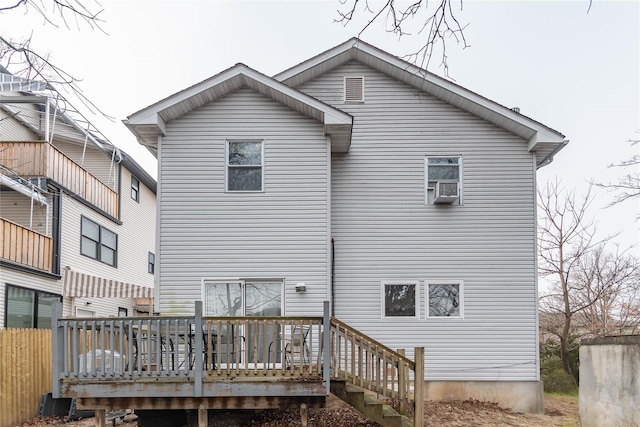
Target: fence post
57, 350
326, 350
418, 387
198, 356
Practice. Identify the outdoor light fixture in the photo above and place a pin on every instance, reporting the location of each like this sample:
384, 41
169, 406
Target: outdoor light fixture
301, 287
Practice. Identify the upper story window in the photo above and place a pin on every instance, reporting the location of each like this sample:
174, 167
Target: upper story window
354, 89
245, 165
444, 299
443, 181
135, 189
400, 299
28, 308
98, 242
152, 263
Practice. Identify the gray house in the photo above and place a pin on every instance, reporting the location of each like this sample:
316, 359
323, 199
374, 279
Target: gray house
405, 200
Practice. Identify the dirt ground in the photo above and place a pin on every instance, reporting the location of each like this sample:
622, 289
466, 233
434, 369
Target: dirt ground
559, 412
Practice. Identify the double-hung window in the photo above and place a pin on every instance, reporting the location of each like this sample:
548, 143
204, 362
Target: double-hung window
28, 308
443, 178
399, 299
444, 299
135, 189
98, 242
245, 165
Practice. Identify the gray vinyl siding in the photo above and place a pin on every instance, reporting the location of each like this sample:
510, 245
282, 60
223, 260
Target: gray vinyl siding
384, 231
13, 130
206, 232
16, 208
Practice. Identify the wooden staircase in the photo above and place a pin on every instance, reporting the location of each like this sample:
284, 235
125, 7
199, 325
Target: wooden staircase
369, 405
360, 364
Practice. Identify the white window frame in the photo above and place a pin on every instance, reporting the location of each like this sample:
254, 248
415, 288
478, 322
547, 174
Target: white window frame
344, 89
227, 166
429, 192
135, 189
384, 283
460, 284
243, 282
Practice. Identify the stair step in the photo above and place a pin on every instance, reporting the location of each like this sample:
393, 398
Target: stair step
368, 405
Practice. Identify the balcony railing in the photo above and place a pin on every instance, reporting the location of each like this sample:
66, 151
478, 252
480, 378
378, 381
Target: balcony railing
23, 246
41, 159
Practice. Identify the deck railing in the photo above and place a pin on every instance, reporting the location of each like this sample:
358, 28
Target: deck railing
41, 159
204, 349
23, 246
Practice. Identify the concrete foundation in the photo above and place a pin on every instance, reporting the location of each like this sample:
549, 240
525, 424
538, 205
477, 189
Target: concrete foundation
610, 381
519, 396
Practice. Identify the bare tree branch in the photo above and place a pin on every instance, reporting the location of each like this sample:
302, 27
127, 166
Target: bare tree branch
437, 25
594, 290
628, 186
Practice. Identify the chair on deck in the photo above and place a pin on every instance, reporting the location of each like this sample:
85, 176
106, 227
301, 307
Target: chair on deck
296, 348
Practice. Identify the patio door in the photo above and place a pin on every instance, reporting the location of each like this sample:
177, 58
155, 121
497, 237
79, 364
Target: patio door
247, 298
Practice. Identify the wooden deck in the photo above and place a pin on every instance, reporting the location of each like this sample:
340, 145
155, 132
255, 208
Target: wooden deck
197, 362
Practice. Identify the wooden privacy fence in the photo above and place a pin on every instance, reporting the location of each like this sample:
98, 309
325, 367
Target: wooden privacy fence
25, 373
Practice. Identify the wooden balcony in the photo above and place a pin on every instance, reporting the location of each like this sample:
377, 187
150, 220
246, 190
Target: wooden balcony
23, 246
35, 159
198, 362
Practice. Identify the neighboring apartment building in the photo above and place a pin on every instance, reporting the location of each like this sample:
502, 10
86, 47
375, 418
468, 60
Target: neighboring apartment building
407, 201
77, 214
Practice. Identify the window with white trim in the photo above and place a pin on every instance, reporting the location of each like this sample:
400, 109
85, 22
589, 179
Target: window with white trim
399, 299
135, 189
98, 242
444, 299
152, 263
443, 179
245, 165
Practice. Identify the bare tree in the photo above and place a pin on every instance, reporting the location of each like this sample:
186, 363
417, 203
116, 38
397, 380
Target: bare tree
594, 289
436, 21
628, 186
23, 61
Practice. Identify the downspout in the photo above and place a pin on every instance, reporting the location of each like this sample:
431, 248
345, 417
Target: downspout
333, 275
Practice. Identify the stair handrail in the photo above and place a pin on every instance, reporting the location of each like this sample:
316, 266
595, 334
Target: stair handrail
363, 370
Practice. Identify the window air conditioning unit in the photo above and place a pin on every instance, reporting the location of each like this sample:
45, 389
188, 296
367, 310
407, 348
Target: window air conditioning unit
446, 192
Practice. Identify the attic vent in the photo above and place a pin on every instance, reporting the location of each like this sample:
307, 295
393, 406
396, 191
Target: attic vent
354, 89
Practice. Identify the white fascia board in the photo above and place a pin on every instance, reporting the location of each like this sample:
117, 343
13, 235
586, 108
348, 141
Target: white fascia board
316, 60
420, 75
150, 115
457, 90
331, 114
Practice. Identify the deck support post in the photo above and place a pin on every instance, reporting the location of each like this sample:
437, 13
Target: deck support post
101, 415
418, 387
326, 344
197, 321
203, 416
57, 349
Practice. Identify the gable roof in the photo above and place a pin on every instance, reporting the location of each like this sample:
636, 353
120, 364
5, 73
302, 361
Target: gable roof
150, 122
542, 140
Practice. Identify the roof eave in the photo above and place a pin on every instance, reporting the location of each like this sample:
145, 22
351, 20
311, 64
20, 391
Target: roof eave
149, 123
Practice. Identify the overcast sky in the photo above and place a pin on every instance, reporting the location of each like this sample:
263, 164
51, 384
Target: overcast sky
574, 71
